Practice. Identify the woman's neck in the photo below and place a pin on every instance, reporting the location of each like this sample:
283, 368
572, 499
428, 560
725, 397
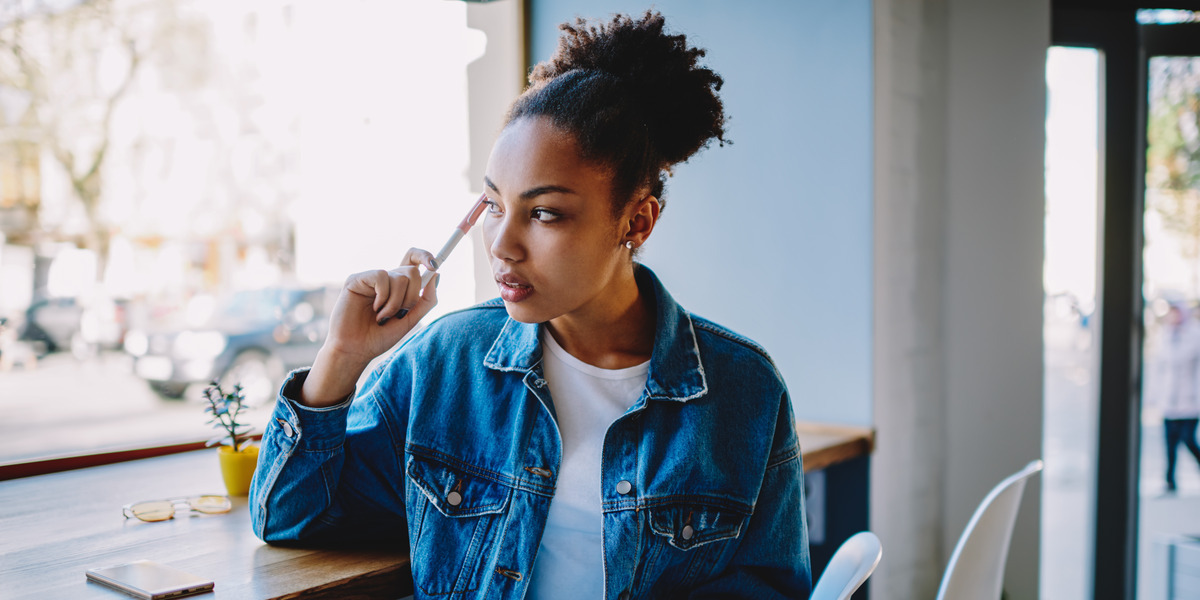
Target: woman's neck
617, 334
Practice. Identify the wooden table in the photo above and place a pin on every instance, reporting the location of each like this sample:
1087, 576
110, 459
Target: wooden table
55, 527
823, 445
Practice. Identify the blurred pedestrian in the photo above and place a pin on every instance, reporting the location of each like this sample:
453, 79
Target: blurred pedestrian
1179, 389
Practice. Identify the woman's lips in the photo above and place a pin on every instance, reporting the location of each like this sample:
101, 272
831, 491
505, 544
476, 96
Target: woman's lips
513, 288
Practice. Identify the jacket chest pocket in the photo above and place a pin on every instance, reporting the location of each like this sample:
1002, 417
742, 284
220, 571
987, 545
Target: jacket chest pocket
686, 544
454, 519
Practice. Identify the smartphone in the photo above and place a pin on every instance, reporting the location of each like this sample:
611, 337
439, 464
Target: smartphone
150, 580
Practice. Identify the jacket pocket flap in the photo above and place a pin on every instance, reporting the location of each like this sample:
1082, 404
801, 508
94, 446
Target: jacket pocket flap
455, 493
687, 525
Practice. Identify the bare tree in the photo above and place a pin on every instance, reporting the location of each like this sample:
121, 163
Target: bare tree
1173, 153
71, 66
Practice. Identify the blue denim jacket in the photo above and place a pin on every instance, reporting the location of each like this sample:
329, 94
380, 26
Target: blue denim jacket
451, 445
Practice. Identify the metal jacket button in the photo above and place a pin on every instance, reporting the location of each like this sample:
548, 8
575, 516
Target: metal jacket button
454, 498
286, 427
687, 532
624, 487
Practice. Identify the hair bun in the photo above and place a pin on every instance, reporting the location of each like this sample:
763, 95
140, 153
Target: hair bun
675, 95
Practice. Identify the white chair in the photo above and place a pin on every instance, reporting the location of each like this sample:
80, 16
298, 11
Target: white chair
976, 569
849, 567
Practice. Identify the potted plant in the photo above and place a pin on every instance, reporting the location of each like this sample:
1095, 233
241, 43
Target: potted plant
237, 455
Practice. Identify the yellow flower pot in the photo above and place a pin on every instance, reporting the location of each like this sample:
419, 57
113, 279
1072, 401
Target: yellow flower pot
237, 468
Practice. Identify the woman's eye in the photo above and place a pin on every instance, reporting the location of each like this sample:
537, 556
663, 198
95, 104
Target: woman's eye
492, 207
543, 216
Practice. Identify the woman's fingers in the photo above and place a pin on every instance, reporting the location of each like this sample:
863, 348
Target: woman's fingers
402, 283
363, 323
394, 294
372, 285
404, 291
417, 256
412, 292
426, 300
408, 317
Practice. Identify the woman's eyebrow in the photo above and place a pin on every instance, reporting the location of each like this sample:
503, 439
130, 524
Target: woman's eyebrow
532, 192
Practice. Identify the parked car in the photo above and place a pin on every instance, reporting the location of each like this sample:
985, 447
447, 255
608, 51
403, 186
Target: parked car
50, 323
67, 323
253, 337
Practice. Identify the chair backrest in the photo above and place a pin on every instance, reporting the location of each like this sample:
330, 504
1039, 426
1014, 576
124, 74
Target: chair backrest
976, 568
849, 567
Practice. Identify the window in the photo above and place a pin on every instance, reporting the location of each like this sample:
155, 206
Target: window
184, 185
1071, 347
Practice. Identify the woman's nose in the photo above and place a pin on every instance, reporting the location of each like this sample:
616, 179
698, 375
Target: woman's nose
502, 239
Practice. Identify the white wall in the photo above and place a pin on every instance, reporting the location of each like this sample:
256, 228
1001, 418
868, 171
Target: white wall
960, 142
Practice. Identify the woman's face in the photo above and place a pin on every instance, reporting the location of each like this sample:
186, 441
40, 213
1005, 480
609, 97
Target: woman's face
550, 234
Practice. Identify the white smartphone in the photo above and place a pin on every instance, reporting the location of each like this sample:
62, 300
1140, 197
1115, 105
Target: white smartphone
150, 580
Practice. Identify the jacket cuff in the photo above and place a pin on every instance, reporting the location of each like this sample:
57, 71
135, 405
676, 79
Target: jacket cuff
302, 426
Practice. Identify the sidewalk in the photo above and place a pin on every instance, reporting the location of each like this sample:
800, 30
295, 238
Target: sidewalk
1163, 513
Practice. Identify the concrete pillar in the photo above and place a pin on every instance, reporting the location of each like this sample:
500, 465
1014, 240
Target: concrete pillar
959, 146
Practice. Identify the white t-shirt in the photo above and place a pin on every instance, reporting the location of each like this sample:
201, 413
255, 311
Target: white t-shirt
587, 399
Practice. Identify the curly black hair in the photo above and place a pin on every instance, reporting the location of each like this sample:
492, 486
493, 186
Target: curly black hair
635, 98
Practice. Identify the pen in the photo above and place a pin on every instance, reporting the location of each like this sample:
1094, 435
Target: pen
459, 232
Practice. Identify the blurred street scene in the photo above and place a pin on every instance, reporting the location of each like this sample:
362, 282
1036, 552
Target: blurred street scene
72, 406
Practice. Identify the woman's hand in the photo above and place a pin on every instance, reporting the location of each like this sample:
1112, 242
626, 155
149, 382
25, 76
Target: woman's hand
373, 312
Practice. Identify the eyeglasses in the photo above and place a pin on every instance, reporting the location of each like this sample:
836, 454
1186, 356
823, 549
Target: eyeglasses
161, 510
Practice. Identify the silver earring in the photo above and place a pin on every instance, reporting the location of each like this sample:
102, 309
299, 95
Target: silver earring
629, 245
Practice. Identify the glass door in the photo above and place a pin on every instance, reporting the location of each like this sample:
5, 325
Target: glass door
1169, 458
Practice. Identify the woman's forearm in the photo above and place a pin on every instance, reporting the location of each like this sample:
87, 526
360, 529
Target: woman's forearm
332, 378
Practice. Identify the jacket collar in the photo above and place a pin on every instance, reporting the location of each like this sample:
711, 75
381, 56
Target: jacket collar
676, 372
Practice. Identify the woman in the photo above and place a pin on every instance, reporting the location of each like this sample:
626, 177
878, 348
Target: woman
582, 434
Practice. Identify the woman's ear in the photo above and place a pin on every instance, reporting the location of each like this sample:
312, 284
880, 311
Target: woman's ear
642, 217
